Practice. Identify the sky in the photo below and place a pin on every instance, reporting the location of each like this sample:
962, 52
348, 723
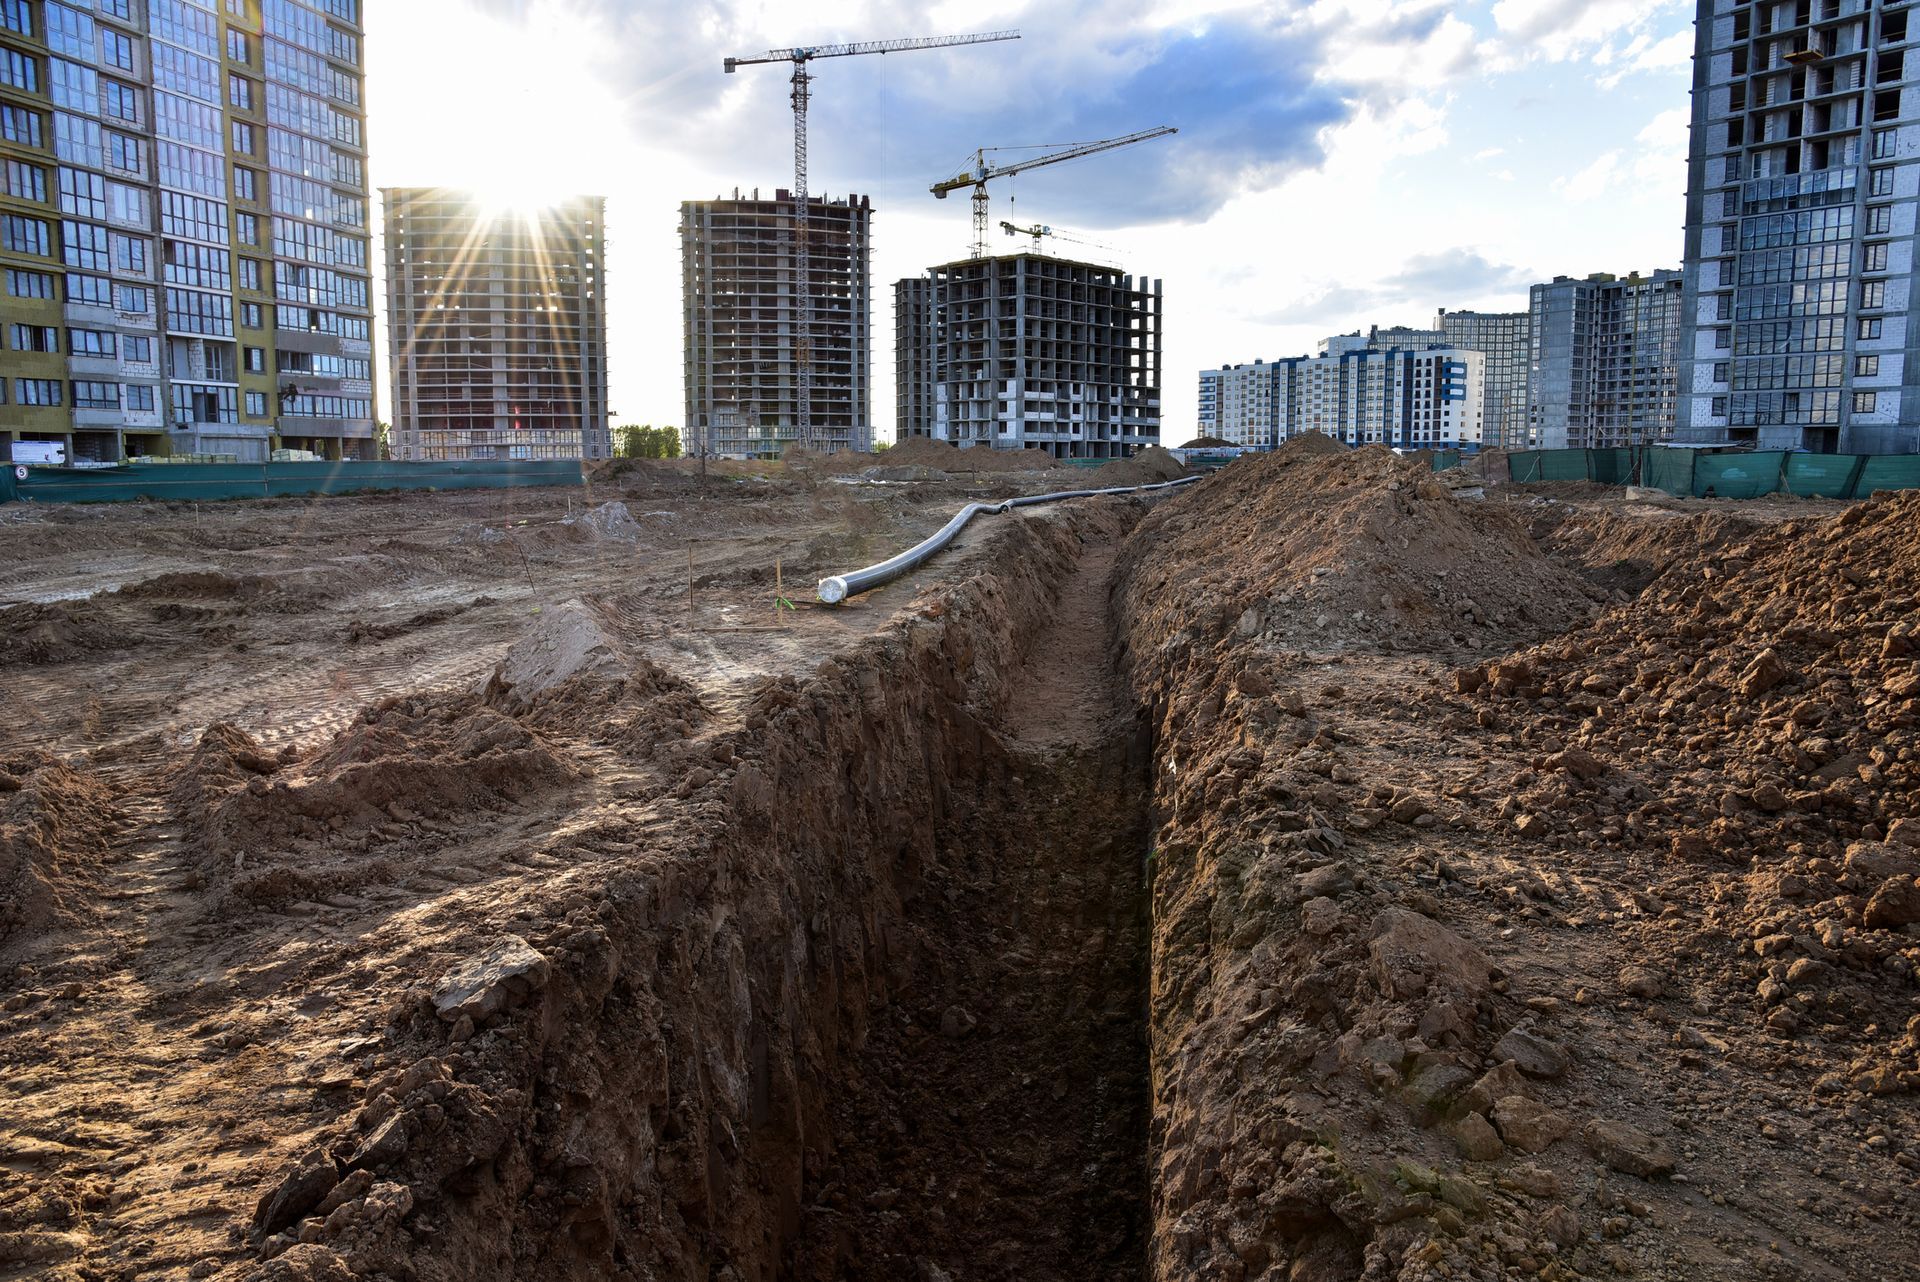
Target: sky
1339, 164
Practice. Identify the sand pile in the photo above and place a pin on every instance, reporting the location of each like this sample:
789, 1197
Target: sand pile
55, 823
60, 632
362, 806
1320, 545
1150, 466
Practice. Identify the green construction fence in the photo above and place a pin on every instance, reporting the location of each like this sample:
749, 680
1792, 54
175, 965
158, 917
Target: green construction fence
198, 482
1729, 474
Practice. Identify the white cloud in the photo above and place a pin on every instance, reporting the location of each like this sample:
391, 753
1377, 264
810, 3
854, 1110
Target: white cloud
1593, 181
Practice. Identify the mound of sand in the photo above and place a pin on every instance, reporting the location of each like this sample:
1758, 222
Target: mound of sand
1322, 545
361, 806
55, 823
1150, 466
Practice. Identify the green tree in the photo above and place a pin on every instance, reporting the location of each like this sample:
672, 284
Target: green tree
648, 441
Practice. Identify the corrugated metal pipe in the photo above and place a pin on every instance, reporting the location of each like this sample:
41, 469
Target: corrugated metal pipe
841, 586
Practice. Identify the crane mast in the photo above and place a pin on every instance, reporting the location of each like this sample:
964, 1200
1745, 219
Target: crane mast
802, 206
980, 172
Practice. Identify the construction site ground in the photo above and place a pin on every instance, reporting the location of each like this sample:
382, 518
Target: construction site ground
1310, 874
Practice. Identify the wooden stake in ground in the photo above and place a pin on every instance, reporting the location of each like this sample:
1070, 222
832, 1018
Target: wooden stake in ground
689, 581
779, 590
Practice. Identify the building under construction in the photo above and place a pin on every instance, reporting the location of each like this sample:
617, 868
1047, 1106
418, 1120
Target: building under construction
1028, 350
497, 327
737, 297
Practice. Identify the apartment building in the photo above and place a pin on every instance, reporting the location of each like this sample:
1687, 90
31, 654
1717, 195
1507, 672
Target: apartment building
1403, 338
1604, 369
183, 228
737, 262
913, 357
496, 327
1504, 338
1429, 398
1802, 187
1207, 412
1244, 411
1033, 351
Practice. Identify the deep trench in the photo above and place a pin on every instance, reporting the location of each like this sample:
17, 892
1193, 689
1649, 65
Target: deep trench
995, 1124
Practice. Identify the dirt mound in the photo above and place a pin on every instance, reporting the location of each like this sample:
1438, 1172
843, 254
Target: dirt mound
55, 823
1206, 443
1627, 550
274, 593
610, 520
360, 807
570, 671
1757, 716
1150, 466
1324, 545
38, 634
1307, 445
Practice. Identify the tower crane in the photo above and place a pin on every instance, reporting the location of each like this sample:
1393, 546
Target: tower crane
978, 175
803, 282
1036, 231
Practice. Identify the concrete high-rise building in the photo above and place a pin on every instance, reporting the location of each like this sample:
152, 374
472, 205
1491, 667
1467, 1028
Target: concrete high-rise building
183, 228
1604, 369
1802, 186
1043, 352
1246, 413
913, 355
1394, 338
1504, 339
737, 300
496, 327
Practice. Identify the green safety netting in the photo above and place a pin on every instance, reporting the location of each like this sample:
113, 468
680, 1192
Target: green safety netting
1444, 459
1738, 476
1824, 476
1548, 465
206, 481
1887, 472
1669, 470
1611, 467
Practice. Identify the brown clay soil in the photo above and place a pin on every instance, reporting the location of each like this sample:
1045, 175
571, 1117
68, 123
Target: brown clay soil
1310, 874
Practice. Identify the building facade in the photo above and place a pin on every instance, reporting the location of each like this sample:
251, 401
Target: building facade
183, 228
1802, 188
496, 327
1430, 398
737, 265
1504, 338
1245, 413
1032, 351
1207, 411
1604, 369
913, 354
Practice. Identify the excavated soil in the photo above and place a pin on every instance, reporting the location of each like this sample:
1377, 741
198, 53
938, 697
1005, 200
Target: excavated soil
1314, 873
1589, 960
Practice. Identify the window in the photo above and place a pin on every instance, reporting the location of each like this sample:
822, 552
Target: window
247, 228
130, 255
237, 46
1723, 338
1866, 367
250, 315
246, 184
17, 15
17, 124
93, 291
1879, 220
116, 50
29, 284
71, 85
250, 273
19, 70
84, 245
37, 391
256, 360
242, 137
36, 338
82, 193
1884, 144
1875, 257
1719, 371
124, 153
1869, 327
128, 205
91, 395
239, 92
1719, 407
133, 299
91, 342
122, 102
26, 235
1863, 402
24, 181
1873, 293
122, 9
192, 312
139, 397
256, 404
69, 31
1881, 183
